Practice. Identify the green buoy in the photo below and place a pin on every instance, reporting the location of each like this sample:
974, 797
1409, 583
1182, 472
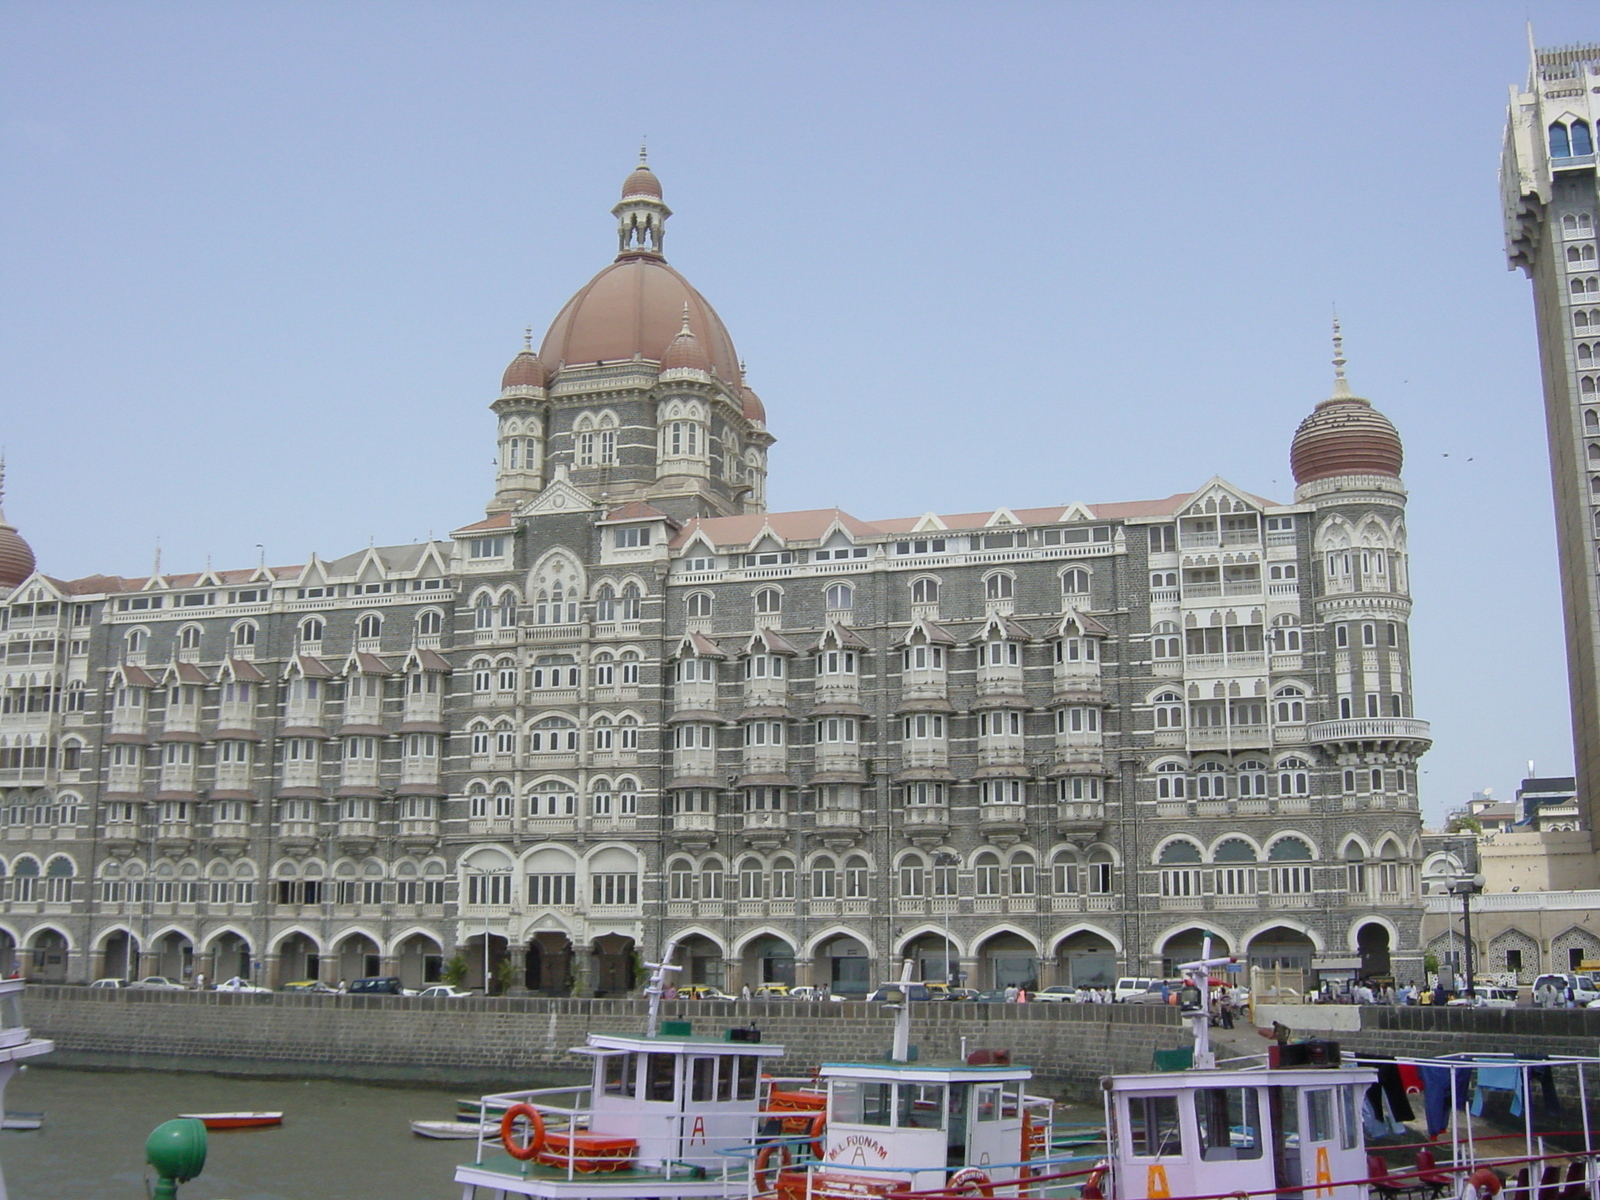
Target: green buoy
177, 1150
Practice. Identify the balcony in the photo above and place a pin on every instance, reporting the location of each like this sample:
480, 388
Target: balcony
122, 837
926, 753
175, 837
697, 695
1404, 732
419, 833
694, 828
230, 837
698, 762
838, 757
838, 689
1002, 679
924, 685
766, 826
765, 760
1001, 753
766, 693
1003, 822
838, 818
358, 837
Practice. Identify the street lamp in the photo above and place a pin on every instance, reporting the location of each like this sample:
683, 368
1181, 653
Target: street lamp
1466, 889
945, 859
481, 873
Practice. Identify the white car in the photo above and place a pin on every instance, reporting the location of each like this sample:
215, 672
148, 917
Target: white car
109, 983
1486, 997
237, 984
158, 983
1059, 994
443, 991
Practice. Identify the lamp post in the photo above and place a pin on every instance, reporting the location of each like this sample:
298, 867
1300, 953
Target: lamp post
481, 873
945, 859
1467, 888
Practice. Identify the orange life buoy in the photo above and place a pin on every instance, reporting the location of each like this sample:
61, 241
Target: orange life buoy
763, 1169
818, 1147
1092, 1187
1485, 1183
525, 1151
970, 1179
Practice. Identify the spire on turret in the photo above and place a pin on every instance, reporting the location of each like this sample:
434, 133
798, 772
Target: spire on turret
1341, 385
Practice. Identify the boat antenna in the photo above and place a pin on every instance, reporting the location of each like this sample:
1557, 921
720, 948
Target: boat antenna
1198, 974
658, 984
902, 1019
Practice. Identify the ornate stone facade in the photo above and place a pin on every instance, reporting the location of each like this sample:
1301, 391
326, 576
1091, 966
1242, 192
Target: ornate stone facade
1028, 745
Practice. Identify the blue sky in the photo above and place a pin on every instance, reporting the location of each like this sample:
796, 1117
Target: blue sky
263, 264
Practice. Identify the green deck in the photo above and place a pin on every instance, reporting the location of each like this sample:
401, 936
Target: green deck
501, 1163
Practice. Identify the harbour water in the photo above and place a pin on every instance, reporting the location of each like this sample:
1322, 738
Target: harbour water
338, 1141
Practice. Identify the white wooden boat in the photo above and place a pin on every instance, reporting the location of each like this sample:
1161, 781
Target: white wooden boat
22, 1120
453, 1129
235, 1120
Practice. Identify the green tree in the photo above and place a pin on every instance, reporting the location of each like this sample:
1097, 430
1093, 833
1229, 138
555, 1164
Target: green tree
1462, 823
454, 971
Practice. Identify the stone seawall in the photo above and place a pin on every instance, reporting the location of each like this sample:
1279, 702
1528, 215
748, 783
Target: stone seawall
509, 1040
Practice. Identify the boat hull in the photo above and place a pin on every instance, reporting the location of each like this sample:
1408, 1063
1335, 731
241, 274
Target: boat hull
239, 1120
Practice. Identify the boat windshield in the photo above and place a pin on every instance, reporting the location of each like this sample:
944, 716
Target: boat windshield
1153, 1126
1230, 1127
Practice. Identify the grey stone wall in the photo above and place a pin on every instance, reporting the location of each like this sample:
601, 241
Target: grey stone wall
1069, 1046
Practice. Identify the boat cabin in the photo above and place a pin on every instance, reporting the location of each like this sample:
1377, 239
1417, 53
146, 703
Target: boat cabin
1217, 1131
900, 1124
681, 1098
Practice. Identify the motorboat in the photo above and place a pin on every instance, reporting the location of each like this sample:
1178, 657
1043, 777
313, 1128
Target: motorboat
235, 1120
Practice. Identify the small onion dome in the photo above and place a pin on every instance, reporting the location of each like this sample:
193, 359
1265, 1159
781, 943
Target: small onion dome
642, 182
1345, 435
16, 556
525, 371
754, 410
684, 352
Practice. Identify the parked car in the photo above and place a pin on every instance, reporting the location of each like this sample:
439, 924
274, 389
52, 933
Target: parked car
1152, 993
1583, 987
109, 983
962, 993
995, 997
772, 991
1129, 986
1486, 997
238, 984
378, 985
702, 991
1058, 994
807, 992
937, 990
314, 986
158, 983
442, 991
895, 993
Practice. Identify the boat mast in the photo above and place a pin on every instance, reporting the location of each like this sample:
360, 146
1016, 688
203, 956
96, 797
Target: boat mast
657, 985
902, 1019
1198, 973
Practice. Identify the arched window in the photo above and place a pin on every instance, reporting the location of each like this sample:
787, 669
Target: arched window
924, 591
913, 876
1290, 860
189, 638
508, 610
1164, 641
1024, 880
1355, 869
605, 604
840, 597
824, 879
1289, 705
430, 623
856, 878
680, 879
1211, 781
1064, 873
1168, 708
483, 613
1171, 782
1285, 634
752, 879
769, 601
1560, 142
244, 634
1236, 873
1180, 869
998, 586
1252, 778
698, 604
986, 874
1582, 140
371, 626
782, 876
1075, 582
311, 630
628, 603
135, 641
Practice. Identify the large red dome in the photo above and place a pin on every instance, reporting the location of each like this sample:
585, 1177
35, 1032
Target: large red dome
1345, 436
635, 307
16, 556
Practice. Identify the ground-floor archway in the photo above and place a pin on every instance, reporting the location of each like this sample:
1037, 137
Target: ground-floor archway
1188, 945
419, 961
299, 958
935, 957
172, 955
1086, 959
1008, 960
484, 968
230, 956
119, 955
357, 957
612, 967
768, 959
701, 959
1372, 943
1279, 958
843, 966
548, 964
48, 953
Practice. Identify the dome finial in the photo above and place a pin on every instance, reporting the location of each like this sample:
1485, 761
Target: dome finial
644, 151
527, 337
1341, 385
685, 328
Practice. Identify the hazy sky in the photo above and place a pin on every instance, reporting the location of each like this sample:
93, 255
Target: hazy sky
263, 264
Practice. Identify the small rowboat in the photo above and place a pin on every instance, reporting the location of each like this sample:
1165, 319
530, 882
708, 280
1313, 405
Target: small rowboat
22, 1120
454, 1129
235, 1120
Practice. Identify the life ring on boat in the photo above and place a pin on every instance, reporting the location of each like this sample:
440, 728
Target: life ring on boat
525, 1151
1484, 1183
814, 1132
1093, 1187
970, 1179
762, 1175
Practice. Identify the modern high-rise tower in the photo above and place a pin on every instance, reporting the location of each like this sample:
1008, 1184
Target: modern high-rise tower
1548, 182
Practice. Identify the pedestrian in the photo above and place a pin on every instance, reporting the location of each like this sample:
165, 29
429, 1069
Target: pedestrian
744, 992
1225, 1008
1011, 993
200, 982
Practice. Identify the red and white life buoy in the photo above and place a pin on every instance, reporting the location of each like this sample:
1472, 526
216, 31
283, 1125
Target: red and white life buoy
522, 1151
763, 1168
970, 1179
1094, 1186
1482, 1184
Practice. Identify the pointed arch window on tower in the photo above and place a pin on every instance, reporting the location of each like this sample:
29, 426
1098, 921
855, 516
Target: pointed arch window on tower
1582, 139
483, 613
628, 603
1560, 141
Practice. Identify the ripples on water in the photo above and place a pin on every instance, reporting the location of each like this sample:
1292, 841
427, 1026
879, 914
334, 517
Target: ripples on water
339, 1141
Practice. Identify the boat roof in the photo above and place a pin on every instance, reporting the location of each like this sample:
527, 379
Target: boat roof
1168, 1081
674, 1043
952, 1070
